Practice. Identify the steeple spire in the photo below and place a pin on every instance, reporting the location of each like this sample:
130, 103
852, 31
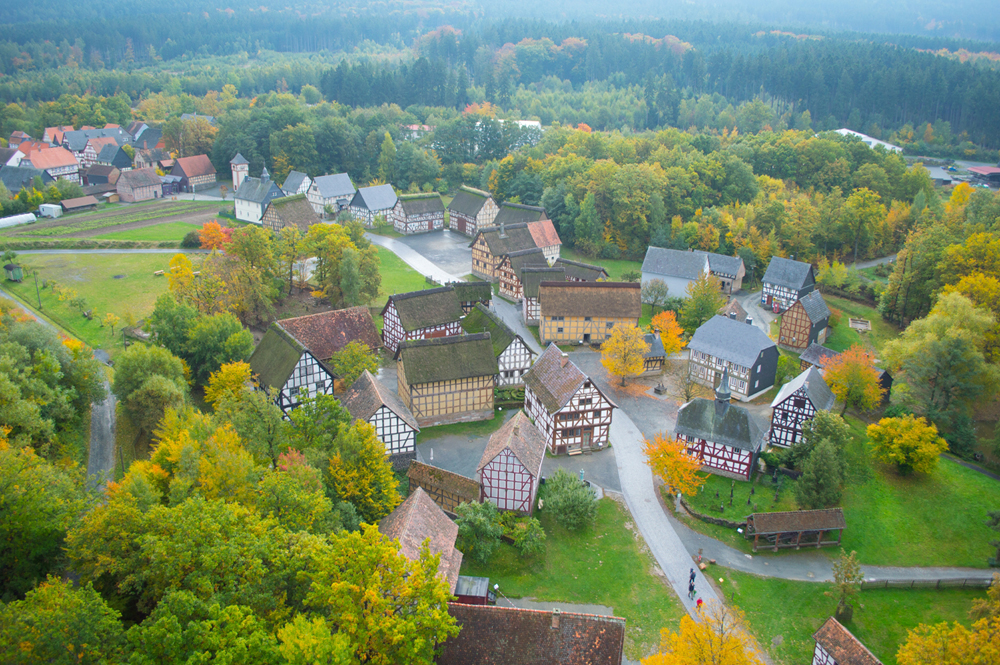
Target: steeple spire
722, 393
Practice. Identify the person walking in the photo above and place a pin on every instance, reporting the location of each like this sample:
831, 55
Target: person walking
691, 590
692, 576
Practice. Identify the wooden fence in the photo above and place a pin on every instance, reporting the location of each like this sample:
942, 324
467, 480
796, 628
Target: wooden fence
958, 583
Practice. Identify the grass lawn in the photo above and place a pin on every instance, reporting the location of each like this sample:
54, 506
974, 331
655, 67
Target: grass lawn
842, 337
475, 429
602, 564
397, 276
170, 232
615, 267
112, 215
795, 610
92, 276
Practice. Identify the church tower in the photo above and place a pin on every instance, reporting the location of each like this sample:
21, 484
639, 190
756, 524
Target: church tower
241, 169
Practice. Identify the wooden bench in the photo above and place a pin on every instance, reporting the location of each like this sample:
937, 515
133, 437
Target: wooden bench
158, 273
860, 324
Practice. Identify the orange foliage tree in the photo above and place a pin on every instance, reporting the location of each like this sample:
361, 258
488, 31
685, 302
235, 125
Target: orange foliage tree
854, 380
679, 471
214, 236
671, 333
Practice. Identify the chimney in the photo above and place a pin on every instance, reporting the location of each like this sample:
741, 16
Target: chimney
503, 230
555, 618
732, 315
563, 359
749, 321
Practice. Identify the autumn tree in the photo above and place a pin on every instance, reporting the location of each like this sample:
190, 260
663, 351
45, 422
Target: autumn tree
862, 213
720, 637
853, 379
361, 475
823, 426
654, 293
227, 382
624, 352
214, 341
351, 362
954, 644
289, 251
668, 459
214, 236
569, 500
479, 529
671, 333
847, 579
704, 298
909, 443
258, 421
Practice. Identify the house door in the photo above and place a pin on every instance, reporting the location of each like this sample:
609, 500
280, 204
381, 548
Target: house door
430, 224
588, 433
586, 338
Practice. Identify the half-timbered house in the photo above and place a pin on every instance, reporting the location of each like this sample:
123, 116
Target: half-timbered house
58, 163
289, 211
296, 182
677, 268
289, 370
492, 243
196, 172
509, 270
785, 281
569, 409
531, 279
447, 379
511, 466
471, 210
586, 312
577, 271
471, 293
724, 437
421, 315
544, 233
796, 402
805, 322
93, 148
419, 520
378, 201
514, 357
654, 359
326, 333
516, 213
253, 197
371, 401
835, 645
420, 213
749, 355
448, 489
334, 190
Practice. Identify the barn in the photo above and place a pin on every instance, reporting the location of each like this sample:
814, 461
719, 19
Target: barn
420, 213
805, 322
511, 466
471, 210
371, 401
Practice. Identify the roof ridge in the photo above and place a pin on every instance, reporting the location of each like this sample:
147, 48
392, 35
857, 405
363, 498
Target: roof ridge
422, 195
523, 206
441, 341
474, 190
425, 292
581, 264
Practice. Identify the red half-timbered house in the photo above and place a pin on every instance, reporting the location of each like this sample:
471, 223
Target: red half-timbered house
511, 465
514, 356
569, 409
796, 402
511, 265
805, 322
369, 400
723, 436
418, 520
835, 645
421, 315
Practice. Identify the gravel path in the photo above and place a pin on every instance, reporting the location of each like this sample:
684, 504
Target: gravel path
101, 459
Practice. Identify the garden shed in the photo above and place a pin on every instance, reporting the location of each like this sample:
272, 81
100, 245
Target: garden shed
797, 528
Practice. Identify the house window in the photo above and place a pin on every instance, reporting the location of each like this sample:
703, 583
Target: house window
559, 330
597, 414
611, 324
587, 400
586, 318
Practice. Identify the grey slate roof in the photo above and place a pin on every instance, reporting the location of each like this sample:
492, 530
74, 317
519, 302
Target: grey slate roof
367, 395
148, 138
515, 237
815, 354
674, 262
16, 177
468, 201
734, 341
335, 185
815, 306
275, 357
786, 272
724, 265
379, 197
6, 154
815, 387
293, 181
239, 159
257, 190
515, 213
421, 204
115, 156
76, 140
720, 423
656, 349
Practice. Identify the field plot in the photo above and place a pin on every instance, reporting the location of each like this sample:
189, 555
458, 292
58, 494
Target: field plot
165, 232
117, 219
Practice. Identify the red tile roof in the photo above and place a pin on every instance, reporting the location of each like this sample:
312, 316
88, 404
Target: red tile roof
494, 635
328, 332
418, 519
52, 158
544, 233
196, 166
56, 133
99, 142
28, 147
523, 439
842, 645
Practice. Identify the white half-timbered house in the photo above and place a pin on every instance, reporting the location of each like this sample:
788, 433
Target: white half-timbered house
654, 359
514, 357
785, 281
421, 315
835, 645
288, 369
677, 269
296, 182
531, 278
380, 200
335, 190
569, 409
420, 213
511, 265
724, 437
796, 402
581, 272
447, 379
750, 356
511, 466
471, 210
546, 238
371, 401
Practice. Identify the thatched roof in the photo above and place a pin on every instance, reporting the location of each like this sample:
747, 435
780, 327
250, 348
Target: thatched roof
481, 320
275, 357
447, 358
429, 307
605, 299
295, 210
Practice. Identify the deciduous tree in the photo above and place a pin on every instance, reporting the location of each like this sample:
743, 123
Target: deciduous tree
908, 443
623, 354
853, 379
671, 333
351, 361
704, 298
679, 471
847, 579
227, 382
215, 236
216, 340
360, 474
720, 637
479, 529
148, 380
654, 293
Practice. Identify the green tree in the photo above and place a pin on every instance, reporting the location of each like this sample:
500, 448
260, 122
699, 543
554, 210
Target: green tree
360, 474
908, 443
255, 246
704, 298
824, 425
654, 293
847, 579
170, 322
350, 277
571, 502
863, 213
479, 529
289, 250
822, 478
352, 361
387, 160
214, 341
258, 421
589, 229
148, 380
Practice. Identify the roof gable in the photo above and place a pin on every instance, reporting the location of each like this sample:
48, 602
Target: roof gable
842, 645
275, 357
379, 197
367, 395
195, 166
554, 379
514, 237
447, 358
138, 178
430, 307
814, 387
544, 233
328, 332
526, 257
516, 213
419, 519
258, 190
578, 270
815, 307
724, 423
293, 181
788, 273
468, 201
730, 340
522, 438
52, 158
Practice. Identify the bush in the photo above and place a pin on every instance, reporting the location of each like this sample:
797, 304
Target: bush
479, 529
571, 502
529, 538
191, 240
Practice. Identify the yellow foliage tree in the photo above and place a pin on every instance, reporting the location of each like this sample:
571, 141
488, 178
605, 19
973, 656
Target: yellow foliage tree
360, 474
959, 196
623, 354
909, 443
854, 380
230, 379
720, 638
943, 644
671, 333
668, 460
180, 276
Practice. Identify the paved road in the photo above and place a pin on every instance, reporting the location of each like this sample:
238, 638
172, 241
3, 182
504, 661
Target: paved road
112, 251
751, 303
511, 315
101, 459
861, 265
448, 250
414, 259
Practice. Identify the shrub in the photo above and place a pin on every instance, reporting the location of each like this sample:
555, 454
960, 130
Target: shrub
192, 240
479, 529
529, 538
571, 502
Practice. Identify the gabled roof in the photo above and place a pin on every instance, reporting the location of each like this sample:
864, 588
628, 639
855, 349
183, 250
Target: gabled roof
607, 299
816, 354
735, 341
240, 159
725, 423
815, 307
28, 147
418, 519
16, 177
524, 440
195, 166
115, 156
56, 133
195, 116
52, 158
472, 291
447, 358
100, 142
799, 520
515, 213
79, 202
655, 343
816, 390
544, 233
481, 319
515, 237
367, 395
293, 181
148, 139
379, 197
6, 154
430, 307
328, 332
77, 140
675, 263
533, 276
733, 307
152, 155
495, 635
335, 185
101, 171
527, 257
422, 204
578, 270
554, 378
788, 273
275, 357
257, 190
137, 178
724, 265
468, 201
842, 645
134, 128
295, 210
